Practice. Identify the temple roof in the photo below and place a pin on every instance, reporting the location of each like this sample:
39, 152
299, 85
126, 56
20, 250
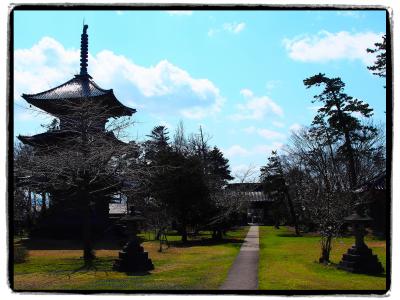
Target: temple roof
77, 87
56, 137
81, 87
46, 138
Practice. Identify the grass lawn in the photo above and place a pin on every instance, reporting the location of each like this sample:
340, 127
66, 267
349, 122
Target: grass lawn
201, 264
288, 262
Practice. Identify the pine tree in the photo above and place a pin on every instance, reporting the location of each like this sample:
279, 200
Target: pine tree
338, 116
379, 66
273, 180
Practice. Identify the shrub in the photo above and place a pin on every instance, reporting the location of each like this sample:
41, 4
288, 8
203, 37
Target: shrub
20, 253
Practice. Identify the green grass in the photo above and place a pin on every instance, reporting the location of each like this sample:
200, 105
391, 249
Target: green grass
288, 262
201, 264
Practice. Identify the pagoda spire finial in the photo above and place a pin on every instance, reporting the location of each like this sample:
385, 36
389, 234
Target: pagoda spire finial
84, 50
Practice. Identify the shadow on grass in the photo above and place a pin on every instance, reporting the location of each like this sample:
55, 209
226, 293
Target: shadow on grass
335, 265
289, 235
143, 273
52, 244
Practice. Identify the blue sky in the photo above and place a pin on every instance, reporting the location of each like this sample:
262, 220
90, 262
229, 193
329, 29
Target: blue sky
238, 74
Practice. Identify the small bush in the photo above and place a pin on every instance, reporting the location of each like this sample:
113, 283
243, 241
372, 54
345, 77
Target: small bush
20, 253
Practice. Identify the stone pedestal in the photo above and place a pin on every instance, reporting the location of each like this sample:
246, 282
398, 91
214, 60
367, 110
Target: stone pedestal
360, 260
133, 258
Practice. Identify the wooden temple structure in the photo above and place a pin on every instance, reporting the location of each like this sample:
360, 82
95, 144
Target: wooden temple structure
259, 207
63, 219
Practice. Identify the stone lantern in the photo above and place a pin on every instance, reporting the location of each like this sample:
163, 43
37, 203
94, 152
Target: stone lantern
132, 257
359, 258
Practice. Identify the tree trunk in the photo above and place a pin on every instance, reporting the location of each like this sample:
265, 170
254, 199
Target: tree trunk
326, 246
34, 204
217, 235
88, 253
184, 233
29, 207
292, 212
349, 152
277, 216
276, 223
350, 156
43, 208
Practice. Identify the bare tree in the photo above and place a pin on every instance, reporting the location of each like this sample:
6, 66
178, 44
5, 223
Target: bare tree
321, 194
316, 170
84, 162
247, 175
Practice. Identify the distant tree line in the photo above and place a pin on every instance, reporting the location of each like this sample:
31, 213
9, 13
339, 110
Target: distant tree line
188, 189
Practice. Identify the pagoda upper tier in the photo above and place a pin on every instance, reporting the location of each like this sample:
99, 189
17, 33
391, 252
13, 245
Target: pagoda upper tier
60, 100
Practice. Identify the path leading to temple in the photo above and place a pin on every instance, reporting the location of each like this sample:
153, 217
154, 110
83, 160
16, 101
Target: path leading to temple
243, 274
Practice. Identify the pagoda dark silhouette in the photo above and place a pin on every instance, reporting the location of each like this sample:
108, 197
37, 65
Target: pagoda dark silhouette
63, 218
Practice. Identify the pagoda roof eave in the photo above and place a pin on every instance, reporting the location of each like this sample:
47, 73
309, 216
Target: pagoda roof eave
51, 138
78, 80
54, 106
46, 138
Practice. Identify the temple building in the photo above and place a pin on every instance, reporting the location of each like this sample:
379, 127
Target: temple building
60, 102
259, 207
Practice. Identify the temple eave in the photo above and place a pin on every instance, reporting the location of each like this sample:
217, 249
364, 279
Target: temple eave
47, 138
57, 106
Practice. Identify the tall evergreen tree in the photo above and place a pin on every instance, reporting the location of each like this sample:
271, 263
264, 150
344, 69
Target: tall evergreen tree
273, 180
218, 168
338, 115
379, 66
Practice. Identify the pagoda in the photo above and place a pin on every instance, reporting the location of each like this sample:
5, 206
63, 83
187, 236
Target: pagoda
60, 102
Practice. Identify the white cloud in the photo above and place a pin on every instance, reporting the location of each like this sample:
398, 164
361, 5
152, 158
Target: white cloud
295, 127
267, 149
179, 12
270, 134
246, 93
238, 150
234, 27
314, 107
211, 32
40, 67
326, 46
25, 116
272, 84
163, 88
250, 129
350, 13
255, 108
278, 124
235, 150
264, 132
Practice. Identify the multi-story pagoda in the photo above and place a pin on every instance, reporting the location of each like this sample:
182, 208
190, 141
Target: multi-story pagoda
60, 102
80, 88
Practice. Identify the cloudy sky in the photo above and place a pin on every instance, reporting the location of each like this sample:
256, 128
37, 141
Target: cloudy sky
238, 74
